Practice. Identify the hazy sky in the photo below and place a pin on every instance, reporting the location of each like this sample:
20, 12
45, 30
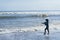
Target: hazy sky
29, 5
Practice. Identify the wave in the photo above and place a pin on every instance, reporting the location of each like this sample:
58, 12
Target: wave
22, 15
52, 28
13, 30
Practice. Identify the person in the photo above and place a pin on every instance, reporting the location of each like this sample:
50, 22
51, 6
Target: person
47, 26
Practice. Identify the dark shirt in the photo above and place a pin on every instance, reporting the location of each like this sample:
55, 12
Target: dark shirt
46, 24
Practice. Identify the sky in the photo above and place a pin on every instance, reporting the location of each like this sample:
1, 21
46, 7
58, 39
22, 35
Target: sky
13, 5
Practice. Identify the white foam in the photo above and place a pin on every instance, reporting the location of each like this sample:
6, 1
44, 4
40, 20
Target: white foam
52, 27
2, 31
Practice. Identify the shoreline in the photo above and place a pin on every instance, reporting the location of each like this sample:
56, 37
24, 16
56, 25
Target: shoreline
37, 35
52, 28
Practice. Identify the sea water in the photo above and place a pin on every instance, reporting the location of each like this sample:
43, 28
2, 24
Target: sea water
28, 20
25, 20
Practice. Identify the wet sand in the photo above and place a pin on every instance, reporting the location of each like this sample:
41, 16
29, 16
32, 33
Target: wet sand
36, 35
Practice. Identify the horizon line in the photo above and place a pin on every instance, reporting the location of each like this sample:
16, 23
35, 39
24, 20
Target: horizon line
31, 11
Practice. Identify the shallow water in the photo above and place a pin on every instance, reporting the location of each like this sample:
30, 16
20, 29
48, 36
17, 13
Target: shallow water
30, 36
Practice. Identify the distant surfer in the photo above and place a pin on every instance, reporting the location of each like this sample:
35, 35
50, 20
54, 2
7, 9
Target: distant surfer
47, 26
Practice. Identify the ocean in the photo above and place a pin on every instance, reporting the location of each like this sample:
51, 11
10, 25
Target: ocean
28, 25
25, 19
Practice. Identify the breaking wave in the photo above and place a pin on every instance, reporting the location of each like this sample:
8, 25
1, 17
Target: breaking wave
52, 28
21, 15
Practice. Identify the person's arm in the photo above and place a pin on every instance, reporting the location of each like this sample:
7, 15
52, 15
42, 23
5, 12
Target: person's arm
44, 23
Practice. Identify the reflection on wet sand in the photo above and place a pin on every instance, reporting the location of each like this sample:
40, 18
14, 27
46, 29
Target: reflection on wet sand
46, 37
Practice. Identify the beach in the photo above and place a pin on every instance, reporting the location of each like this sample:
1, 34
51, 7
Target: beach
29, 19
32, 33
28, 26
36, 35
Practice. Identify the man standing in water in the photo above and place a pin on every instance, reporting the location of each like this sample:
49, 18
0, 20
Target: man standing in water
47, 26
